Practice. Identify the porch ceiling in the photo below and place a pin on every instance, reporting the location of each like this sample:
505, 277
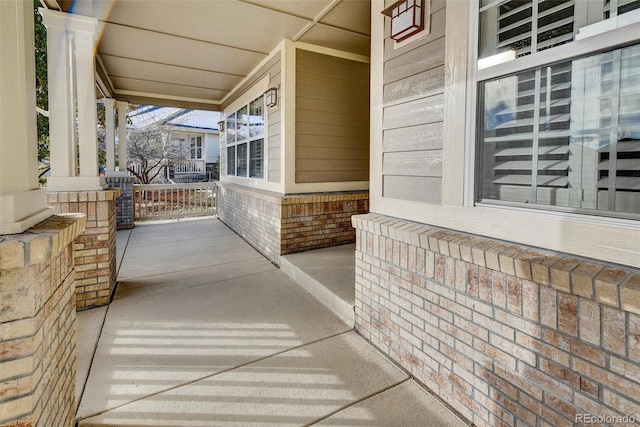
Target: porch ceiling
192, 53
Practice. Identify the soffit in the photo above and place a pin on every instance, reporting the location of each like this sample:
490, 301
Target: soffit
197, 51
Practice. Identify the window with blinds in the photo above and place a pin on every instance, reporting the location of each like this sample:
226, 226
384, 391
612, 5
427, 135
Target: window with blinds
525, 139
525, 26
563, 134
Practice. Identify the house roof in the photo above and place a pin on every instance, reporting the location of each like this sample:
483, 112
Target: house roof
196, 119
178, 117
193, 53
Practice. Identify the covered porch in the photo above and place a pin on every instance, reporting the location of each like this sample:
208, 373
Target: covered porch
220, 336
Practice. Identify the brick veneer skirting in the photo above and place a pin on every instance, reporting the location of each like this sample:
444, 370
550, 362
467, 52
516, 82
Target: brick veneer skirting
124, 202
277, 225
37, 324
505, 334
95, 249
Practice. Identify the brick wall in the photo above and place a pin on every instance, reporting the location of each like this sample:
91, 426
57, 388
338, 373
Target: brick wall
277, 225
312, 221
95, 249
124, 202
37, 324
505, 334
254, 215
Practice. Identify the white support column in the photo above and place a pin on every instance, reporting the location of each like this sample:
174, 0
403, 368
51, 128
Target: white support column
61, 102
123, 159
71, 70
22, 203
110, 133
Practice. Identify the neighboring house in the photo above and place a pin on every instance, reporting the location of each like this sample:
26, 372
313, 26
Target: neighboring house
196, 132
192, 133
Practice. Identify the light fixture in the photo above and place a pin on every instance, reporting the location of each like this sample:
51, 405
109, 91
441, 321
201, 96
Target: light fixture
406, 18
271, 97
221, 126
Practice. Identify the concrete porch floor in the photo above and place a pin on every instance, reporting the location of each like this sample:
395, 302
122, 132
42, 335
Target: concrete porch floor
204, 331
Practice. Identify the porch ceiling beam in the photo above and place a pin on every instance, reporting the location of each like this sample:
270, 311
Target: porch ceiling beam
50, 4
102, 79
133, 93
310, 22
169, 83
318, 17
128, 58
164, 33
344, 30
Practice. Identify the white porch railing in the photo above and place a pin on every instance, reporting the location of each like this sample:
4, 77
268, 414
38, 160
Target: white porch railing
190, 167
167, 201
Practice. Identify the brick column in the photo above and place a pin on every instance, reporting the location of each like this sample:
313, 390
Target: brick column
95, 249
37, 324
124, 203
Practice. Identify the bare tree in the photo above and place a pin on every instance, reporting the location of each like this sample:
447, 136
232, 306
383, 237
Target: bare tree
151, 151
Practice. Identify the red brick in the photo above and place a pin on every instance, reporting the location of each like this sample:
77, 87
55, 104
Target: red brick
607, 285
473, 282
589, 320
499, 293
582, 279
484, 291
561, 273
548, 307
514, 295
613, 330
634, 337
530, 303
568, 314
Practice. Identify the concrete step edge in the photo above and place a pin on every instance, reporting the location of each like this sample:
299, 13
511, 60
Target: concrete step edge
340, 308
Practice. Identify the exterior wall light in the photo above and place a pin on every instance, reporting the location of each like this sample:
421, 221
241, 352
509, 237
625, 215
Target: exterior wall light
406, 18
271, 97
221, 126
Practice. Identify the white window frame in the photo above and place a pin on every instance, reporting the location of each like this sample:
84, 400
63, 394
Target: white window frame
621, 30
196, 145
248, 141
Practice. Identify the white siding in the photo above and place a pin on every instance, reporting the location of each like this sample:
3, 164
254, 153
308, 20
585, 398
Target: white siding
212, 148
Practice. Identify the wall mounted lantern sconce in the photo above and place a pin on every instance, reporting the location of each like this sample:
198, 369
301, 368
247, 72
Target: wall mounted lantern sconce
406, 18
271, 97
221, 126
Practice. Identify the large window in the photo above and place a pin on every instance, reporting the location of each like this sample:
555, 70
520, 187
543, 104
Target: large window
554, 132
245, 140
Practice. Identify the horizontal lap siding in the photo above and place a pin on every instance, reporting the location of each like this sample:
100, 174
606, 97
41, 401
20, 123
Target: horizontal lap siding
274, 163
332, 119
413, 96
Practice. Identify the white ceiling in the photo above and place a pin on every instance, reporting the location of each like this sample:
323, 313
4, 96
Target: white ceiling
192, 53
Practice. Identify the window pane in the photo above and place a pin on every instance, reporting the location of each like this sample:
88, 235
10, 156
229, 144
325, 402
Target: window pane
231, 160
231, 129
610, 134
242, 159
565, 135
515, 25
555, 24
624, 6
256, 159
256, 117
242, 126
506, 27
